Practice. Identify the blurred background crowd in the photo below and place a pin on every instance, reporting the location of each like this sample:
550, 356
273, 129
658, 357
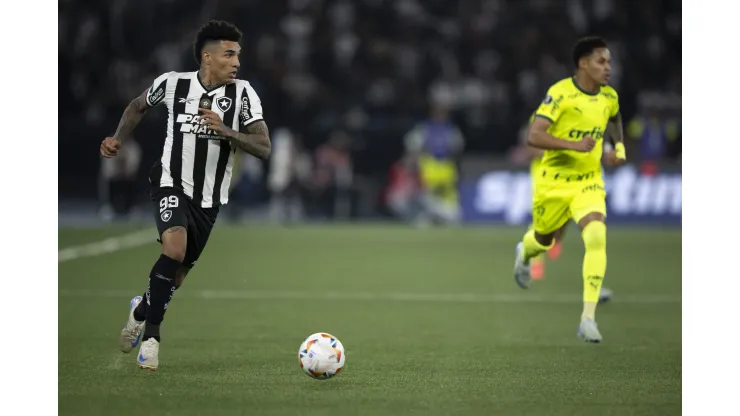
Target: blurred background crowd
358, 94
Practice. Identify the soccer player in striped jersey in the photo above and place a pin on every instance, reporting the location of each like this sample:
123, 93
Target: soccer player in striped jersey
211, 114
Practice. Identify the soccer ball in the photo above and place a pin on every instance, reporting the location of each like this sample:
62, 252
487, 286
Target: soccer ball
321, 356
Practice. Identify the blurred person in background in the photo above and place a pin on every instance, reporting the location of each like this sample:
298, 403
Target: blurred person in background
403, 194
654, 133
247, 185
534, 156
289, 176
435, 145
117, 182
487, 60
332, 184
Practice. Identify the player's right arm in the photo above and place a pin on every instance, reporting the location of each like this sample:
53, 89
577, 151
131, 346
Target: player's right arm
549, 112
133, 114
532, 153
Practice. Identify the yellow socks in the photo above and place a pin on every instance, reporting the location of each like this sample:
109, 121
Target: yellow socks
594, 265
531, 247
589, 310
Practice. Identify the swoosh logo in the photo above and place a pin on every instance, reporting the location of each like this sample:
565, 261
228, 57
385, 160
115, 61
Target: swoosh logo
163, 278
136, 341
141, 357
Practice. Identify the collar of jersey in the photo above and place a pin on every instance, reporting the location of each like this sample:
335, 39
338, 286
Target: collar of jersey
582, 90
208, 92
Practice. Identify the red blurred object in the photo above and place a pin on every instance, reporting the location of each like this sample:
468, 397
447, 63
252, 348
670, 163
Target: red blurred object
554, 252
649, 168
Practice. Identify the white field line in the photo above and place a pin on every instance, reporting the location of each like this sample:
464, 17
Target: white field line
370, 296
140, 238
108, 245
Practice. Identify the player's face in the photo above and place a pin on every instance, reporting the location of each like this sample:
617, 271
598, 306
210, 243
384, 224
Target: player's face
223, 60
599, 65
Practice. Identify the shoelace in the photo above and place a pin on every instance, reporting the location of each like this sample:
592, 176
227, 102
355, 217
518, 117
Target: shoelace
133, 328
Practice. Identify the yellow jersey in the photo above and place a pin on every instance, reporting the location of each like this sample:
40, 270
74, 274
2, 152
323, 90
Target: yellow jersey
575, 113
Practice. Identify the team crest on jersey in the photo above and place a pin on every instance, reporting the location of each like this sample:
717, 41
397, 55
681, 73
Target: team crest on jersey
166, 215
205, 103
224, 104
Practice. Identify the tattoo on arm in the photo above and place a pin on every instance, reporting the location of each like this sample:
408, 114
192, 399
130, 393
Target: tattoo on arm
131, 117
256, 140
614, 129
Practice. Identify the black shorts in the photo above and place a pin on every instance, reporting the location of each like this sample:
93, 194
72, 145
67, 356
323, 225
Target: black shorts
173, 208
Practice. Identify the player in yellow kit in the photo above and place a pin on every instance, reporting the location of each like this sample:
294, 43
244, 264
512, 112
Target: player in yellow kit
570, 125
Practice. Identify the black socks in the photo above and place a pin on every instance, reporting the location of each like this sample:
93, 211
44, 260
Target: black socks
159, 294
140, 310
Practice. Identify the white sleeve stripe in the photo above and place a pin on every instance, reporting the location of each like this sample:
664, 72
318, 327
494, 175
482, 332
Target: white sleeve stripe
250, 122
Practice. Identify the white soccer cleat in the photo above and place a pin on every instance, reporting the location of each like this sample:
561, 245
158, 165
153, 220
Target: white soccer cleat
149, 354
131, 333
521, 269
589, 331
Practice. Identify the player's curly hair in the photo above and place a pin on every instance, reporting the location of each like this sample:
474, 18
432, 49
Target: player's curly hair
214, 31
585, 47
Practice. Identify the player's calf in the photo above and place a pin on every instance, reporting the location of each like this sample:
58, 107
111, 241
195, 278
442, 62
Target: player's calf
139, 313
180, 276
594, 261
162, 279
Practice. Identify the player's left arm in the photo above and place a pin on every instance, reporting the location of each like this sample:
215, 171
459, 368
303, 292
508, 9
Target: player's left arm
253, 135
255, 139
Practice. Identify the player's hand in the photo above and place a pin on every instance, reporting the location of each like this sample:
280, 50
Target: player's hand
213, 121
585, 144
611, 159
109, 147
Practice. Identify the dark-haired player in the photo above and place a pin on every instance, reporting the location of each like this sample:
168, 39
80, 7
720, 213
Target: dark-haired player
570, 125
211, 115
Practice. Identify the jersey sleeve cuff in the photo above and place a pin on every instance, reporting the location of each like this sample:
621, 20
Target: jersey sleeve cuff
250, 122
545, 117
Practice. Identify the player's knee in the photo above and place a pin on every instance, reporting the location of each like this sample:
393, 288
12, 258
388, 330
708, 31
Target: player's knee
544, 240
174, 243
175, 252
594, 235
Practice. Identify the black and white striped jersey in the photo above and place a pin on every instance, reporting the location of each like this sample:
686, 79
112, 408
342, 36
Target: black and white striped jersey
194, 158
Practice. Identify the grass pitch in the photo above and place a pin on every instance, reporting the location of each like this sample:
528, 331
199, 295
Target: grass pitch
431, 320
